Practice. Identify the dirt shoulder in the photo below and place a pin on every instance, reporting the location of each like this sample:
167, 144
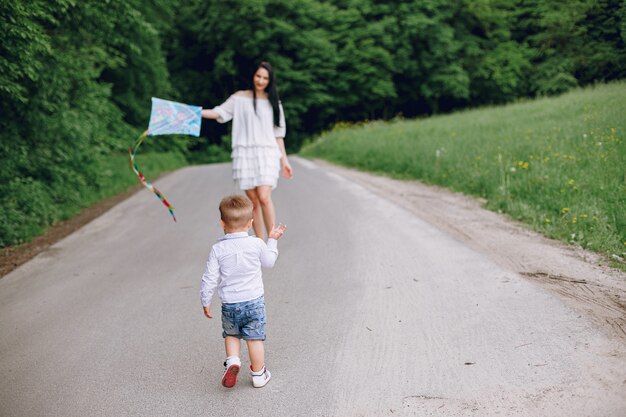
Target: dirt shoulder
579, 277
14, 256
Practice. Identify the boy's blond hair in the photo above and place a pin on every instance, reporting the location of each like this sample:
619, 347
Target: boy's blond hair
235, 211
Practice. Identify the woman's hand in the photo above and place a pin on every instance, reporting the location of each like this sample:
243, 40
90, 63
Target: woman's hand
287, 171
284, 162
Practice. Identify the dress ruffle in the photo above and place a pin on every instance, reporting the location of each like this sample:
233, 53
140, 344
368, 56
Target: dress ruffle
255, 165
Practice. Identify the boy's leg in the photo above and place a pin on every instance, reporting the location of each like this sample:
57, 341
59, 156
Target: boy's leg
233, 346
233, 363
258, 371
256, 349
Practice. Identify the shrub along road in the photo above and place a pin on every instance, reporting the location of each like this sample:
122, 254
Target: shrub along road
372, 311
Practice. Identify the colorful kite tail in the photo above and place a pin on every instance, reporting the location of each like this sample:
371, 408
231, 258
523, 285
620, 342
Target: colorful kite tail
143, 179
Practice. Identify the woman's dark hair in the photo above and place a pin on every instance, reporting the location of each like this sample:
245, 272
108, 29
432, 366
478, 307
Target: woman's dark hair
271, 90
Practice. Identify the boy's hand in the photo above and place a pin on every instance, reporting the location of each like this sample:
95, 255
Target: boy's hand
277, 231
207, 312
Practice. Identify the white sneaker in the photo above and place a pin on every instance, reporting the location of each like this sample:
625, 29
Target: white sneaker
232, 364
260, 378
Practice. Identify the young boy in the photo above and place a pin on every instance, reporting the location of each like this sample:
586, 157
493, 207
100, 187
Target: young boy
234, 266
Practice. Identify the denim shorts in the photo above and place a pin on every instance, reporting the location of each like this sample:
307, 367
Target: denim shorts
245, 320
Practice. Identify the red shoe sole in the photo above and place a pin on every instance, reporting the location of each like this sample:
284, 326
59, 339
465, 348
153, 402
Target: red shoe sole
230, 376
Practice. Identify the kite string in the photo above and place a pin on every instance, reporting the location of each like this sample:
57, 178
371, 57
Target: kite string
143, 179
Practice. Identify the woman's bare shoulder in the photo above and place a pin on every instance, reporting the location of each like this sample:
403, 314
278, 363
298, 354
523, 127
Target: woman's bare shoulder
243, 93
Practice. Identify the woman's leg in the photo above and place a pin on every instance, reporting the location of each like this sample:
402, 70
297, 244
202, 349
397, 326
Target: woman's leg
257, 213
264, 193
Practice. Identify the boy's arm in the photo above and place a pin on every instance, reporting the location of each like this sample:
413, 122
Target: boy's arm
209, 282
269, 254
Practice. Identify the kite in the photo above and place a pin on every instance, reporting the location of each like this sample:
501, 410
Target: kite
166, 118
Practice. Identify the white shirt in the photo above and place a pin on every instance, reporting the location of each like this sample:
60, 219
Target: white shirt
234, 266
250, 128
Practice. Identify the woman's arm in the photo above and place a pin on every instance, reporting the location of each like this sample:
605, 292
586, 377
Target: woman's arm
222, 113
210, 114
284, 162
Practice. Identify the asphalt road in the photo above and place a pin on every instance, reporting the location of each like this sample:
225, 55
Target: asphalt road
371, 312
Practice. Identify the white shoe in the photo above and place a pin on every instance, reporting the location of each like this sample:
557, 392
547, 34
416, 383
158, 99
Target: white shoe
260, 378
232, 365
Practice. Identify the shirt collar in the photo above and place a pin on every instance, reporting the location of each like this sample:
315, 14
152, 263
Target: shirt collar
237, 235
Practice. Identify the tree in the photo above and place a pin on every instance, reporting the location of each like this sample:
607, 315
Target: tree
59, 115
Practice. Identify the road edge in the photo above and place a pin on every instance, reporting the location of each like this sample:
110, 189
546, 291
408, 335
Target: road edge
578, 277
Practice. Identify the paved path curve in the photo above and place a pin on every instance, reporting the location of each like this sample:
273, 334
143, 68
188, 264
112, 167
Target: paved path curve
371, 311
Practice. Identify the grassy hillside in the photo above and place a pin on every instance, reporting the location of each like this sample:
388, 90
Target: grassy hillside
558, 164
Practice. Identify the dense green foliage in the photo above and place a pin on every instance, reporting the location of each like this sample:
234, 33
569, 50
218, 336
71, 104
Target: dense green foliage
76, 77
554, 163
350, 60
60, 119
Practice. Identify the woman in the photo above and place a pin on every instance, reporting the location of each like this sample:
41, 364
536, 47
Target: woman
258, 143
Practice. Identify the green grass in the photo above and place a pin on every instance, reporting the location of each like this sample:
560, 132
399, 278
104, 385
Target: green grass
116, 176
557, 164
31, 207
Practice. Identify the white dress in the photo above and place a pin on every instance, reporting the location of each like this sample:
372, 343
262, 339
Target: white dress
256, 156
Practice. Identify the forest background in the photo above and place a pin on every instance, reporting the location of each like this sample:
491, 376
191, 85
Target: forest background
76, 77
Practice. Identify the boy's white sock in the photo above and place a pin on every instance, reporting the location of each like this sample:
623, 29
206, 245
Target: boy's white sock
232, 360
257, 373
260, 378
